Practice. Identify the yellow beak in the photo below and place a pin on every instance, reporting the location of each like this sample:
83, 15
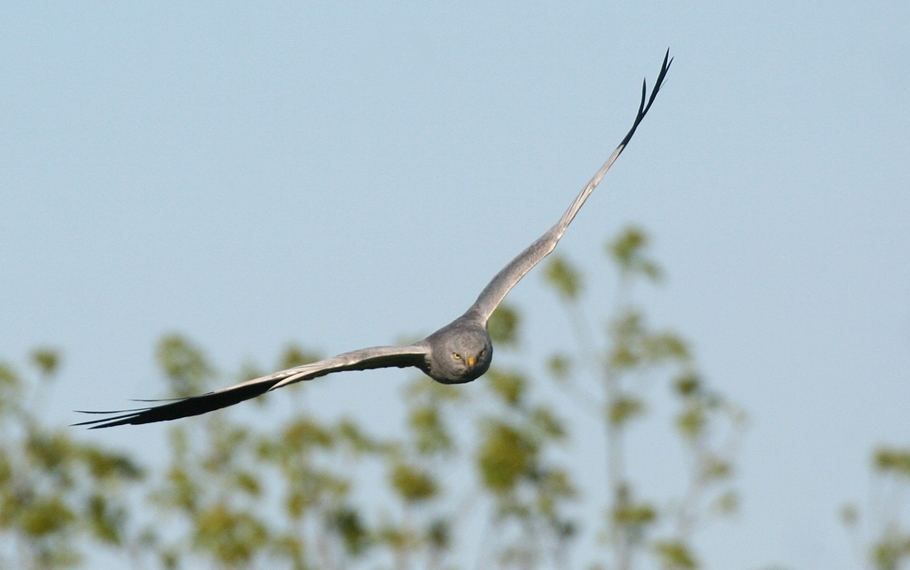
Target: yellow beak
471, 361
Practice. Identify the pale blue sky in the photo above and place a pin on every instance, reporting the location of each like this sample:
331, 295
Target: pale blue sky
342, 175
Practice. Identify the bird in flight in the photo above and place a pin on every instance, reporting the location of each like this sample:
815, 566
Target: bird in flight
457, 353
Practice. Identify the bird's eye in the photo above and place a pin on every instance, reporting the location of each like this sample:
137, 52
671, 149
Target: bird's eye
456, 356
483, 352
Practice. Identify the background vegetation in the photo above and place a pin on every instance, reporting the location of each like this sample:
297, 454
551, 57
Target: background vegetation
488, 481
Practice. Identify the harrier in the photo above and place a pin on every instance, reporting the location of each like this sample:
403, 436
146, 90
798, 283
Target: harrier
457, 353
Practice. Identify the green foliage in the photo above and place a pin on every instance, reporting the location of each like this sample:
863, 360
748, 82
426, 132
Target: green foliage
628, 250
635, 345
504, 456
544, 422
430, 435
503, 325
624, 408
348, 432
688, 384
632, 354
529, 490
565, 279
296, 355
184, 365
887, 540
890, 552
691, 421
58, 496
849, 515
10, 390
675, 556
230, 536
439, 535
47, 360
559, 366
300, 491
305, 433
429, 432
509, 386
412, 484
727, 503
635, 516
347, 524
889, 460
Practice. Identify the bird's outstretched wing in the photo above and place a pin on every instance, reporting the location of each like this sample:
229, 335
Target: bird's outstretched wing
365, 359
503, 282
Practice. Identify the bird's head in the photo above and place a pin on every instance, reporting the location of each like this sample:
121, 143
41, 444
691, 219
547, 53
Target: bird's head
461, 355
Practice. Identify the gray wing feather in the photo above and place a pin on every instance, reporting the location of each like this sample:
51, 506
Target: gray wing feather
364, 359
493, 294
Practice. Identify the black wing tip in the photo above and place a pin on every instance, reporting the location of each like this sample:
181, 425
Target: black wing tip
664, 68
179, 408
115, 417
108, 422
645, 105
109, 412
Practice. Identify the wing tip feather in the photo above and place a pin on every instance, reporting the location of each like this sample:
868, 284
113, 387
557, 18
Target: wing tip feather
179, 408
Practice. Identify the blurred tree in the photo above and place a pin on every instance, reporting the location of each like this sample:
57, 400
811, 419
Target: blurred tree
883, 542
477, 470
620, 370
59, 497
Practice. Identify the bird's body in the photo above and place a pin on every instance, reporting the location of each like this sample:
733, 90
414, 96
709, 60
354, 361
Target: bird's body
457, 353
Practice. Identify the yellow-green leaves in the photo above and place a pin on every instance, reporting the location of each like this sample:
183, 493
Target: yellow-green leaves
231, 537
10, 389
687, 384
428, 431
184, 365
106, 519
44, 515
889, 547
47, 360
348, 524
675, 555
509, 386
624, 364
305, 433
624, 408
559, 366
504, 456
633, 515
288, 487
503, 325
628, 251
636, 345
59, 497
691, 421
296, 355
564, 278
413, 484
893, 460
